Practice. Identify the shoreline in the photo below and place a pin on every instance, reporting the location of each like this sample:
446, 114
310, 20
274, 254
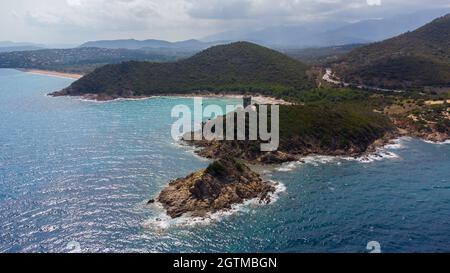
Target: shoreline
257, 99
209, 150
52, 73
381, 151
268, 159
163, 221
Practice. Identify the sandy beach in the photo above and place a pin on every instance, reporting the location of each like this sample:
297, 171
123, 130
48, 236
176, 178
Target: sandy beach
436, 102
258, 99
53, 73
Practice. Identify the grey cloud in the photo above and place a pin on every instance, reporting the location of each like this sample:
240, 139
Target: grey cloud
218, 9
180, 19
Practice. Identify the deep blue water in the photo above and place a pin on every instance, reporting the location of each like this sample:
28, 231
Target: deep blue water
81, 171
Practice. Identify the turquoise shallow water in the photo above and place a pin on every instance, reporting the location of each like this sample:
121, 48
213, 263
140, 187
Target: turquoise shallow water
80, 171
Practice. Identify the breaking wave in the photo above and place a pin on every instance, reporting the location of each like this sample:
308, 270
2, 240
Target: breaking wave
382, 153
437, 143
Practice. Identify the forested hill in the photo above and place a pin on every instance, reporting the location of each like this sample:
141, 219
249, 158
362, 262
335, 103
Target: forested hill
78, 60
238, 67
414, 59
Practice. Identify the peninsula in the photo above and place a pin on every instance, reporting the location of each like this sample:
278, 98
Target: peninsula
237, 68
315, 120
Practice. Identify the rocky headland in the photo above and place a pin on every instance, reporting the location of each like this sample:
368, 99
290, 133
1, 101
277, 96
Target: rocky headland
226, 182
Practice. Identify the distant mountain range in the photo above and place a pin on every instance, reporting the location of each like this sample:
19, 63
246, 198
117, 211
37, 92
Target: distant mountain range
238, 67
332, 33
306, 35
18, 48
184, 46
414, 59
18, 44
7, 46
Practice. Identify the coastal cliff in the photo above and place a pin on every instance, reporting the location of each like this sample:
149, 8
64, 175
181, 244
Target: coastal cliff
328, 129
224, 183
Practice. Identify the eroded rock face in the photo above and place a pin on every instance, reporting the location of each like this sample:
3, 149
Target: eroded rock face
224, 183
428, 131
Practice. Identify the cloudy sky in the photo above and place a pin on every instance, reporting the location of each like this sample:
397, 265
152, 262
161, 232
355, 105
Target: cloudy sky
74, 21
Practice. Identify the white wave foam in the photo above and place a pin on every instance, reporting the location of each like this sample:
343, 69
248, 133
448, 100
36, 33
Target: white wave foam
136, 99
91, 101
397, 144
437, 143
163, 221
180, 144
380, 155
80, 98
190, 149
287, 167
314, 160
384, 152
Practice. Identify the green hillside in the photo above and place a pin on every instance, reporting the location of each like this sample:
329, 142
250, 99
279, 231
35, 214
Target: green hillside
78, 60
414, 59
238, 67
343, 128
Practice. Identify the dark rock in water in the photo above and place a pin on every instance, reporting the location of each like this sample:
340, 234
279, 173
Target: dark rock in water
277, 158
224, 183
152, 201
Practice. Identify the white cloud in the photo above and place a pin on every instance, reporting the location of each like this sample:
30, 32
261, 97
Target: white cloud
181, 19
374, 2
74, 3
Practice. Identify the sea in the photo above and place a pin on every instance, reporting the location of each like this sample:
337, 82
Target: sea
76, 176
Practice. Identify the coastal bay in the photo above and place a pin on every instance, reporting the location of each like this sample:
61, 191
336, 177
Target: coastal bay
95, 165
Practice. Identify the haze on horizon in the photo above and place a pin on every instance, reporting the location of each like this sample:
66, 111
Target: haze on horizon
77, 21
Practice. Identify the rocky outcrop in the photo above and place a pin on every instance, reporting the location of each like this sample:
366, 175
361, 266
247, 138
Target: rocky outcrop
427, 130
224, 183
244, 150
289, 151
